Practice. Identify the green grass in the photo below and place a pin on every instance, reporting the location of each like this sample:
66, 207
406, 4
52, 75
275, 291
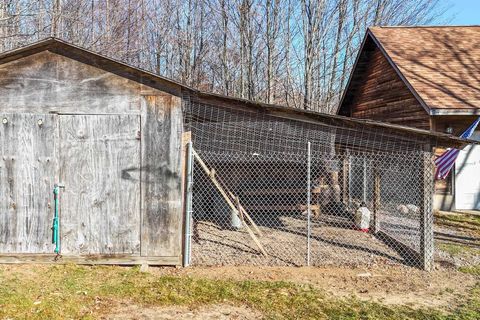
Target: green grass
469, 222
475, 270
458, 249
68, 291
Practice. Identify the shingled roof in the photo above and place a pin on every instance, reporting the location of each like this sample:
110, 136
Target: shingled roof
440, 65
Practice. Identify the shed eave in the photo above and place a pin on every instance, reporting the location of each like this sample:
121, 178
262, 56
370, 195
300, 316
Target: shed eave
454, 111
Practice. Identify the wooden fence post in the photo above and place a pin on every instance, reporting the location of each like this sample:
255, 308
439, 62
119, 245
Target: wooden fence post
426, 212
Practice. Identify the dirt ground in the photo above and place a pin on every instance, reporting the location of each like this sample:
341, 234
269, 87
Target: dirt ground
333, 242
391, 285
218, 312
368, 270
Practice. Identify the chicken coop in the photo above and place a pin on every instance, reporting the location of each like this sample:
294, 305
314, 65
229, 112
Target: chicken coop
272, 187
102, 162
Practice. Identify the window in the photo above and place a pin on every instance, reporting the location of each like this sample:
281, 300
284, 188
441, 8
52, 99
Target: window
445, 186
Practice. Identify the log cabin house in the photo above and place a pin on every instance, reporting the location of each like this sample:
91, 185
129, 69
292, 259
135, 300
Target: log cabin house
428, 78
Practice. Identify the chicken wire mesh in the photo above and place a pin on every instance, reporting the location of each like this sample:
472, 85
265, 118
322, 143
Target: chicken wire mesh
276, 191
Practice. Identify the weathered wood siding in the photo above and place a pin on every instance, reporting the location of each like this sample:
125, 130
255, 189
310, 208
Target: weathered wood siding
377, 92
27, 174
99, 159
47, 82
150, 168
161, 176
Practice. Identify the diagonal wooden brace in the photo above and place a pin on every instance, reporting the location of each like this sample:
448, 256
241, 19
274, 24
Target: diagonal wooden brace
225, 195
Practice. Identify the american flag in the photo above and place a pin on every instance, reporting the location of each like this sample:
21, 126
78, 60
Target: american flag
446, 161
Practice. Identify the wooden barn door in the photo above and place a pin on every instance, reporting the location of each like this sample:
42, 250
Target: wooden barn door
99, 159
28, 170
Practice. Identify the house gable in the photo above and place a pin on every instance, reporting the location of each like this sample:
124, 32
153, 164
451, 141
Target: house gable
440, 64
377, 92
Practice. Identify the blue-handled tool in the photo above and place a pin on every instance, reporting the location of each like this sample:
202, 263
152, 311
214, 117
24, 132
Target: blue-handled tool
56, 222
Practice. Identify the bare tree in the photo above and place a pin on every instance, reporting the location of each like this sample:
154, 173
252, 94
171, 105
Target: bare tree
312, 13
297, 53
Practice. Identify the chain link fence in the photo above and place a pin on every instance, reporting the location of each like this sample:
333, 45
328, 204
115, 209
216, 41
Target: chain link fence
275, 191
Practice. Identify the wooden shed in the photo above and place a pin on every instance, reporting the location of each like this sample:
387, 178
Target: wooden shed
74, 118
111, 134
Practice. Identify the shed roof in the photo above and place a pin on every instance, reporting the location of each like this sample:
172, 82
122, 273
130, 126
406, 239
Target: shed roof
83, 55
441, 65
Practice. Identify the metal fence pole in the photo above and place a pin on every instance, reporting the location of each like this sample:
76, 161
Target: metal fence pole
188, 207
365, 184
309, 209
349, 179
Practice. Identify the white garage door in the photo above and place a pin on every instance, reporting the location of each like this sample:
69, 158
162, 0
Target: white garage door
467, 178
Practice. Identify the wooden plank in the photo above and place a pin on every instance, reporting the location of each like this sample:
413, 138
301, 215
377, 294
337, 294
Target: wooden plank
273, 207
162, 219
228, 200
100, 206
28, 170
121, 69
313, 207
89, 259
244, 213
317, 189
239, 209
255, 239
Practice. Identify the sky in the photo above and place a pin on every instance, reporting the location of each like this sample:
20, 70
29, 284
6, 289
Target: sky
463, 12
